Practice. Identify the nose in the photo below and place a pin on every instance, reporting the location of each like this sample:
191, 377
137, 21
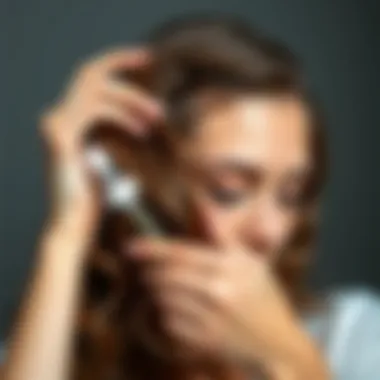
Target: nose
263, 225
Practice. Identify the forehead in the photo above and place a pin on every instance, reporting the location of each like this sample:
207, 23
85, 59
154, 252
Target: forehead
269, 129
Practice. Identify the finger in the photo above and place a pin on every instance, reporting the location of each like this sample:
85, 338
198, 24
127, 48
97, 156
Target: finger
186, 319
177, 252
124, 59
188, 281
131, 96
192, 336
174, 300
182, 325
175, 304
203, 267
155, 249
121, 119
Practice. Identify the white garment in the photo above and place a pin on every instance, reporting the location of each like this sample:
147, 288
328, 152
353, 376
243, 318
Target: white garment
349, 334
348, 331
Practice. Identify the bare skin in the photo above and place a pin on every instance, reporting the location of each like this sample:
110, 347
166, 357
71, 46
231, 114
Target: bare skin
51, 303
232, 272
221, 297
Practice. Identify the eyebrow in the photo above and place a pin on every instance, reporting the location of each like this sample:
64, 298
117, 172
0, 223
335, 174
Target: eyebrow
246, 169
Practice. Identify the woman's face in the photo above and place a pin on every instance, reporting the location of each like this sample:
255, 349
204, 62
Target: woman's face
249, 160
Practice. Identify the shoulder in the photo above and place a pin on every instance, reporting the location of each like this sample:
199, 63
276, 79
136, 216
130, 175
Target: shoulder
347, 306
352, 305
356, 314
364, 298
349, 331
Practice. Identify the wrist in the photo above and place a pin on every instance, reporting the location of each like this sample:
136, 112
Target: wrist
79, 223
73, 201
298, 359
66, 240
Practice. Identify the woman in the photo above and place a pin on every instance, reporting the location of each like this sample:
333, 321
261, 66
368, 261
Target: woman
217, 122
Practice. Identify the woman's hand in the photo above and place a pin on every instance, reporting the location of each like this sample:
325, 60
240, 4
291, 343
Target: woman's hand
50, 309
94, 94
224, 302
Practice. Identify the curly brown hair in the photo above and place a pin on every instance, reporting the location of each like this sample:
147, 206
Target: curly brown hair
190, 54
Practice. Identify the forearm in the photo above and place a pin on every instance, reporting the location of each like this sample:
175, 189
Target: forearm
300, 360
41, 344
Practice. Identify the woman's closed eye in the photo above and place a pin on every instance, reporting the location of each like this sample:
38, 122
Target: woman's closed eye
229, 190
227, 196
227, 184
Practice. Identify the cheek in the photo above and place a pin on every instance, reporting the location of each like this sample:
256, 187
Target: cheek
283, 232
268, 231
222, 221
